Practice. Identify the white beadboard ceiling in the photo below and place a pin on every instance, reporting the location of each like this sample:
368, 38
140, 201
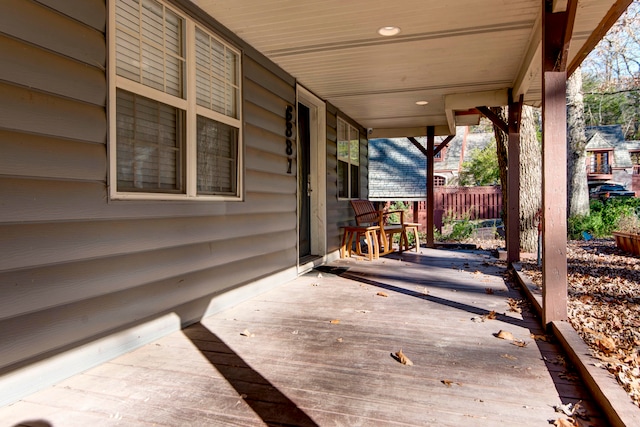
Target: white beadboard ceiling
456, 54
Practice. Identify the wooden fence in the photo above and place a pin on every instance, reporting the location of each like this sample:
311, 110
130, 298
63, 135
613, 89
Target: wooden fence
460, 203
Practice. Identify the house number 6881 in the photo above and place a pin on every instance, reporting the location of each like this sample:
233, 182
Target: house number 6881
289, 134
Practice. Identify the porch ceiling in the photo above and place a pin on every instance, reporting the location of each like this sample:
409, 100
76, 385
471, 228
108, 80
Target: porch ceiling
455, 54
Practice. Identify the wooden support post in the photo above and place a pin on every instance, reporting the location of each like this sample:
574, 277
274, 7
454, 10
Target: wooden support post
513, 181
430, 184
554, 197
554, 161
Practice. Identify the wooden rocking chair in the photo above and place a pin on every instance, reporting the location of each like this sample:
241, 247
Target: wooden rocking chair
367, 214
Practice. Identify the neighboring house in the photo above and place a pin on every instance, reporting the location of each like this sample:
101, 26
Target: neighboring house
612, 159
397, 169
137, 199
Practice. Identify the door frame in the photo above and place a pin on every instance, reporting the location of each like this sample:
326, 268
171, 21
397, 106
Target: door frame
318, 171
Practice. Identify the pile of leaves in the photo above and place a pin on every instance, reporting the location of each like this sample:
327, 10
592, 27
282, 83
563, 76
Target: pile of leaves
604, 306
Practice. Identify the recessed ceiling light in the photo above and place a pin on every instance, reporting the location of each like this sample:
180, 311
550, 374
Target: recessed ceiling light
389, 31
422, 102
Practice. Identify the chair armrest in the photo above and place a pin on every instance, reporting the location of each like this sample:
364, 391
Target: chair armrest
401, 212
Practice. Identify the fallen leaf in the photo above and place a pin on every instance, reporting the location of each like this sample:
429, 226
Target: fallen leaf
515, 305
449, 383
334, 321
246, 333
339, 340
569, 422
488, 291
520, 343
382, 294
569, 376
400, 357
606, 344
505, 335
539, 337
491, 315
510, 357
572, 410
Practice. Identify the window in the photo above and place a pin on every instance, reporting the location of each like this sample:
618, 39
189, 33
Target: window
439, 181
348, 161
599, 162
439, 156
635, 157
175, 106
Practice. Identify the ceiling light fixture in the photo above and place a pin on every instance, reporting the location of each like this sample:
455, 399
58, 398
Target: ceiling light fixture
422, 102
389, 31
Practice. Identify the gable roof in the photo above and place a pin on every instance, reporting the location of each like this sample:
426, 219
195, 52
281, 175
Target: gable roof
611, 137
598, 142
397, 169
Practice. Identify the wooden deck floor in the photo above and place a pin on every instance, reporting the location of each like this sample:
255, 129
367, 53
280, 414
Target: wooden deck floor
298, 368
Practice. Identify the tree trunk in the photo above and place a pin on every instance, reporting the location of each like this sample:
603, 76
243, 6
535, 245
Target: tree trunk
502, 140
530, 175
577, 188
530, 180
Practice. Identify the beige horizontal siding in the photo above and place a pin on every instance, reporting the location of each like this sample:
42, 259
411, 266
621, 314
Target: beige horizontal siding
28, 111
40, 288
40, 156
44, 331
37, 200
33, 245
42, 26
39, 69
82, 267
89, 12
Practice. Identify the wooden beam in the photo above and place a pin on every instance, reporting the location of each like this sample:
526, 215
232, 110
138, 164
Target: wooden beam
554, 175
440, 130
437, 149
513, 180
430, 184
418, 145
618, 8
443, 144
495, 119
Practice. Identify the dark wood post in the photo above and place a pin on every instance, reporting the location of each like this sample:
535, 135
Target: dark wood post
431, 136
513, 181
556, 32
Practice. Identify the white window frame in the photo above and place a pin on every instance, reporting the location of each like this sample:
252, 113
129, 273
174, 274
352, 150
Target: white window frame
188, 105
350, 128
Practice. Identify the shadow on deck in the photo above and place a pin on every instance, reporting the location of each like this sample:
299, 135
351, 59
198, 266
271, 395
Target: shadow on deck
319, 351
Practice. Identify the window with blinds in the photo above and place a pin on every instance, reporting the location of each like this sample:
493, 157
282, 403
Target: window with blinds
173, 138
348, 161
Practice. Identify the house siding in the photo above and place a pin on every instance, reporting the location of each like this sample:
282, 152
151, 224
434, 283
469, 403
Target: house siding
77, 268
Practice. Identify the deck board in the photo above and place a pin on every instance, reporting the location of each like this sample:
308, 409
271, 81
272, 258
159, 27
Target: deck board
298, 368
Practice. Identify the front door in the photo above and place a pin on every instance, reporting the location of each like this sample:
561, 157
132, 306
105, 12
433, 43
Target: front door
304, 184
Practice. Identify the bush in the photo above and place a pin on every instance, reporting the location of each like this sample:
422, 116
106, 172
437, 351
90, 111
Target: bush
457, 230
603, 218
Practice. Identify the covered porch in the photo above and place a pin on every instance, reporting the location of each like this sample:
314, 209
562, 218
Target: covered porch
319, 350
